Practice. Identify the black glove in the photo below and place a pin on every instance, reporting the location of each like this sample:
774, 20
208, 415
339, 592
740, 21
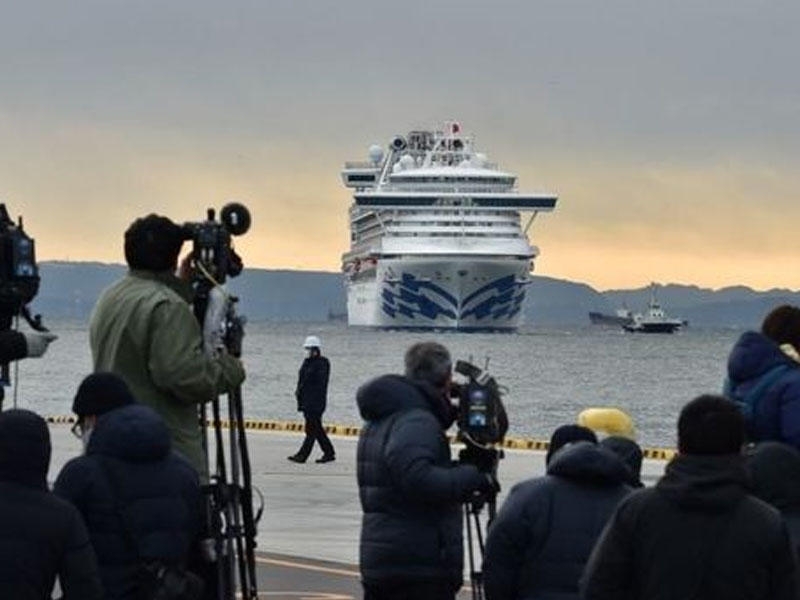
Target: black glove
486, 492
490, 486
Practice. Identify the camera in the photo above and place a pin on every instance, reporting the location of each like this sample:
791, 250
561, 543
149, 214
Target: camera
19, 275
19, 280
481, 416
212, 252
214, 260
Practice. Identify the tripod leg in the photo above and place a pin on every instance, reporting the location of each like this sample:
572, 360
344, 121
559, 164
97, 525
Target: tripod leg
225, 553
236, 499
249, 591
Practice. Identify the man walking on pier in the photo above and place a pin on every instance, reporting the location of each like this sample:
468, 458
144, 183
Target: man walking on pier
312, 395
697, 533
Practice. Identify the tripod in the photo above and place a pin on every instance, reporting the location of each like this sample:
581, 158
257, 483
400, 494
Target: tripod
486, 459
231, 520
472, 511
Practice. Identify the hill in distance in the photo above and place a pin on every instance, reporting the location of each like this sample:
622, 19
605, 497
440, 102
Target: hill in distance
70, 289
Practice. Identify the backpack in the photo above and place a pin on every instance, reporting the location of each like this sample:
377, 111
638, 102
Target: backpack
748, 403
154, 579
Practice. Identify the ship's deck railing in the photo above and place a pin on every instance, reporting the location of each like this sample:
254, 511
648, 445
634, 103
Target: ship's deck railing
365, 164
361, 164
449, 188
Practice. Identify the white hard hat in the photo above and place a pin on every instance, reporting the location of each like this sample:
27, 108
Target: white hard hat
312, 341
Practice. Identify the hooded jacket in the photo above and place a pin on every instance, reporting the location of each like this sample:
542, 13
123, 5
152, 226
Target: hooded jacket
156, 491
697, 535
774, 471
777, 415
410, 491
41, 536
143, 329
544, 532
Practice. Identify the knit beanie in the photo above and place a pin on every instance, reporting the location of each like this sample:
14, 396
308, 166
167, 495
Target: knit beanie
100, 393
630, 453
24, 448
566, 434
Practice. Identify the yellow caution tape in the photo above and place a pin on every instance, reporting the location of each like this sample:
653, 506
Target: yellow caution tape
353, 431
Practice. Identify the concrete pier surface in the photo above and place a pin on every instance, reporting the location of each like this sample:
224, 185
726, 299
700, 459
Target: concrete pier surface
312, 514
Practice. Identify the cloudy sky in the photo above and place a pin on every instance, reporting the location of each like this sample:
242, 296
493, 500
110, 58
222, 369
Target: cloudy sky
670, 130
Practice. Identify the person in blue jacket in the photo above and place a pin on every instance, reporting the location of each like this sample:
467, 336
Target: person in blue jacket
545, 531
140, 500
764, 377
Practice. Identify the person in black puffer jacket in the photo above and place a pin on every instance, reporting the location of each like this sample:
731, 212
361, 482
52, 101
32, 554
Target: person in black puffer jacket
698, 534
156, 489
41, 536
774, 471
546, 529
410, 491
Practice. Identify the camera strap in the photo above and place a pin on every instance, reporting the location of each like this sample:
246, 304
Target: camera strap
155, 578
112, 482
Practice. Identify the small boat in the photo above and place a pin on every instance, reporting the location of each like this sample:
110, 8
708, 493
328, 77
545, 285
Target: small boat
655, 320
622, 317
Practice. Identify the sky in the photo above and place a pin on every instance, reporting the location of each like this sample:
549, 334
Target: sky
669, 130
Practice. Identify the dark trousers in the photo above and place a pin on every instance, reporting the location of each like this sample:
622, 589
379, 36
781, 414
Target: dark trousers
315, 433
423, 590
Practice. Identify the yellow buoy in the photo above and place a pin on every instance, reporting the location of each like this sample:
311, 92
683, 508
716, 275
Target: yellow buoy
610, 421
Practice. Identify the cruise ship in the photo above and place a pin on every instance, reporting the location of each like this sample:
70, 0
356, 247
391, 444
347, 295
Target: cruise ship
436, 236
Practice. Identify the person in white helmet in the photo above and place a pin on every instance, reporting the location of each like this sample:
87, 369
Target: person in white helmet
311, 393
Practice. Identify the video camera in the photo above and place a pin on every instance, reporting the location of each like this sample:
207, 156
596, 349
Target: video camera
482, 420
19, 275
212, 251
232, 521
482, 417
19, 279
214, 260
482, 425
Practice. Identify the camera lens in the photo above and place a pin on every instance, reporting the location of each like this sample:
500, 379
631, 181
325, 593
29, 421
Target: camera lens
235, 217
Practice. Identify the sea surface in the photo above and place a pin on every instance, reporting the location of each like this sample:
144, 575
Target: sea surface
550, 374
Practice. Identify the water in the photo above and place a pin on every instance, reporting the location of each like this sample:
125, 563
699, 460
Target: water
551, 374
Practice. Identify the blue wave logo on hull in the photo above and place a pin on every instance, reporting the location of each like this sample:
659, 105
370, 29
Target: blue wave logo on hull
411, 297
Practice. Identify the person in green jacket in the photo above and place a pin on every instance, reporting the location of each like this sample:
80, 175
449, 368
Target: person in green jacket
143, 329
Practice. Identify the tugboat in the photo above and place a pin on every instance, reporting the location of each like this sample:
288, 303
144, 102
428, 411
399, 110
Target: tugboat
654, 320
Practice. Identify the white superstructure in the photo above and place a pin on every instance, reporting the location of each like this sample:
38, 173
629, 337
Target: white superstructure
435, 236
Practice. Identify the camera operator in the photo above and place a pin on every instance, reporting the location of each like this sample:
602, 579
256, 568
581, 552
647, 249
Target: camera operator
143, 329
411, 493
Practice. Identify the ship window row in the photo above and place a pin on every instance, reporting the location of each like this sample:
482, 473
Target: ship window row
454, 224
450, 179
454, 234
445, 211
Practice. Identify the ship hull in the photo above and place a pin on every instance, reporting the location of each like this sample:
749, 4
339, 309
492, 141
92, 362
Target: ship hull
597, 318
653, 327
451, 293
